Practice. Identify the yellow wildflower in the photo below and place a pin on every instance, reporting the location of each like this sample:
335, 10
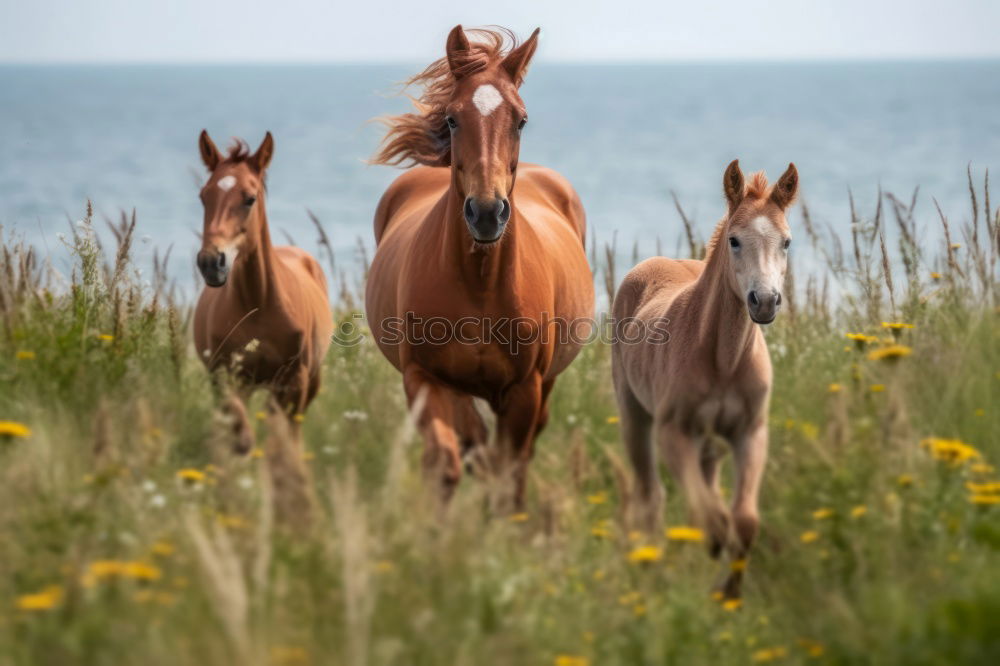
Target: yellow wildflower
261, 415
859, 511
822, 514
956, 246
949, 450
570, 660
981, 468
24, 355
257, 452
629, 598
299, 418
600, 531
769, 654
47, 599
860, 339
890, 353
935, 275
232, 521
518, 518
102, 570
644, 554
738, 565
877, 388
984, 500
14, 429
896, 325
105, 337
809, 430
639, 610
191, 475
611, 420
684, 533
985, 488
834, 388
979, 411
813, 648
904, 480
597, 498
732, 605
809, 536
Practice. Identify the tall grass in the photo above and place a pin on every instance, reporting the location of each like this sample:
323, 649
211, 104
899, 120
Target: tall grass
132, 536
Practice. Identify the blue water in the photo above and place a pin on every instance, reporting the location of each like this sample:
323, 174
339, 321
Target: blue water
624, 135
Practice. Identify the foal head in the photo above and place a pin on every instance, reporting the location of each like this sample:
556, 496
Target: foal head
756, 236
233, 200
470, 117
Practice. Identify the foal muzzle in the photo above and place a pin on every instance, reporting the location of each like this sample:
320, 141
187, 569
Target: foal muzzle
763, 305
214, 267
486, 218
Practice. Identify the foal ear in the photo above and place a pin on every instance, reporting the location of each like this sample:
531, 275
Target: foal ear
262, 157
209, 153
732, 185
516, 62
786, 188
457, 48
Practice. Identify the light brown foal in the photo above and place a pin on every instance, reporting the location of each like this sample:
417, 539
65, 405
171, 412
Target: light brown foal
264, 313
709, 383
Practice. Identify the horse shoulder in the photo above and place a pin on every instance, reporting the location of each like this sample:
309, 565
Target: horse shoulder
414, 184
549, 186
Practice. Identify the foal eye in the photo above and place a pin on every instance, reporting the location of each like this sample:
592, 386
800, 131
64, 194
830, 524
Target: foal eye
249, 201
524, 121
734, 242
452, 123
788, 241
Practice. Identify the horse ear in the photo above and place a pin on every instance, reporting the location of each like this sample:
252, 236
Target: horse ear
457, 48
262, 157
786, 188
209, 153
516, 62
732, 184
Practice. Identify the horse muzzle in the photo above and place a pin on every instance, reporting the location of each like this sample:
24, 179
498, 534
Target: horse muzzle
214, 267
486, 218
763, 305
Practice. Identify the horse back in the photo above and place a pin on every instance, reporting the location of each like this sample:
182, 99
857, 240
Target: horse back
650, 287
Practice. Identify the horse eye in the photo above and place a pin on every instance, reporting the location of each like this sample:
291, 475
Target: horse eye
524, 121
249, 201
734, 242
452, 123
788, 241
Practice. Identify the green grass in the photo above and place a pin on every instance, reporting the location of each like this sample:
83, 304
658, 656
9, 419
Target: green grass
380, 578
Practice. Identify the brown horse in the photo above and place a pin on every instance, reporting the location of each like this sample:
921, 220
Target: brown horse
709, 380
480, 259
264, 313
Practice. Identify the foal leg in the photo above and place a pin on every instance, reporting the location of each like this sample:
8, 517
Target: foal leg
442, 461
750, 457
683, 457
517, 422
472, 434
636, 425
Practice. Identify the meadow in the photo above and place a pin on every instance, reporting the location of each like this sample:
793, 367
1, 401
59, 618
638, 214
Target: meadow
130, 534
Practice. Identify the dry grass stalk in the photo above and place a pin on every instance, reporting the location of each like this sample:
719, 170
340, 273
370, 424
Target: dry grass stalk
351, 521
290, 480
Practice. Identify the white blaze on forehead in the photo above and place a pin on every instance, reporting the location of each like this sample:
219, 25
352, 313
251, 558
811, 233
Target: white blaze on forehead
226, 183
763, 225
487, 99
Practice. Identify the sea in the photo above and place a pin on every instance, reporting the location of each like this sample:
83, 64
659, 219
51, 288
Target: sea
627, 136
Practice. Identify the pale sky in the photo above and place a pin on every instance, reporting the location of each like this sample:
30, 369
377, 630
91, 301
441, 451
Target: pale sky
413, 30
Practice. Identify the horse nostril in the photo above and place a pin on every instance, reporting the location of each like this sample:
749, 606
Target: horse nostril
221, 261
777, 299
504, 213
470, 211
752, 297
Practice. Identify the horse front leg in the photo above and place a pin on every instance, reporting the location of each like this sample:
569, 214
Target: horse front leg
517, 423
750, 458
435, 404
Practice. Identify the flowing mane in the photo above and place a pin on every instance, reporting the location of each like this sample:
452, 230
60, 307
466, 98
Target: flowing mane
756, 188
423, 137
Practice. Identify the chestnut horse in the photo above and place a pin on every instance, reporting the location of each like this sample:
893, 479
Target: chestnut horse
710, 382
264, 312
487, 252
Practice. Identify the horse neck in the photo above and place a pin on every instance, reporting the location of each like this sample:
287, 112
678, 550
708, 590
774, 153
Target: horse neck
489, 270
725, 327
255, 275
